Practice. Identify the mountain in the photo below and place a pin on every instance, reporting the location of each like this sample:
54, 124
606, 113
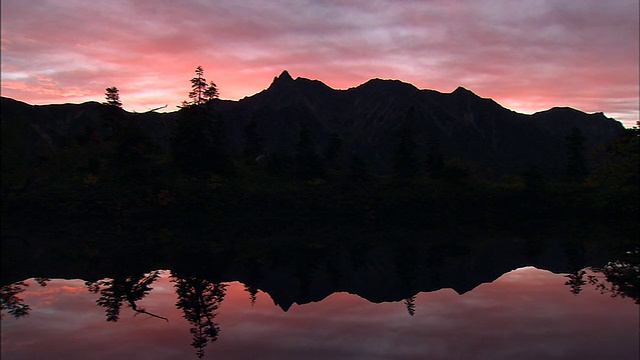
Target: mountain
368, 118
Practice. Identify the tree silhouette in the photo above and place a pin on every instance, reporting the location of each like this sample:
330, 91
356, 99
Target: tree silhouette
332, 151
199, 299
197, 145
307, 162
435, 161
11, 303
252, 142
410, 303
113, 97
201, 92
405, 164
129, 289
576, 168
358, 171
620, 276
576, 281
533, 179
253, 292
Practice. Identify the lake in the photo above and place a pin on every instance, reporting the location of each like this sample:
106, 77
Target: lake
166, 294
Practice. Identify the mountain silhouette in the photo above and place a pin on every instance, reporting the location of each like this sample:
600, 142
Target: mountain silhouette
367, 118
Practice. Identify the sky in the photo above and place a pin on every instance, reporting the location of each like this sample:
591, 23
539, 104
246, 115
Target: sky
528, 55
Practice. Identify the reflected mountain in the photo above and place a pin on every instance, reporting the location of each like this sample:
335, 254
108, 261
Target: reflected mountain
305, 268
301, 270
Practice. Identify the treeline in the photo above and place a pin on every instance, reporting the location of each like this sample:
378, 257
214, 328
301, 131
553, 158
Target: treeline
127, 177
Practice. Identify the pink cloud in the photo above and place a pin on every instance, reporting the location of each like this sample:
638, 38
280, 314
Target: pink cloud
526, 55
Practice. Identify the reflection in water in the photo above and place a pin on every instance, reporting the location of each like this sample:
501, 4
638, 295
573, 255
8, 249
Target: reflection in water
405, 273
113, 292
621, 277
576, 281
199, 299
551, 323
410, 302
11, 303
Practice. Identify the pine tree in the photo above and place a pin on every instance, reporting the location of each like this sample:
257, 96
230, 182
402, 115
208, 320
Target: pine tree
201, 93
252, 142
307, 162
576, 170
113, 97
406, 160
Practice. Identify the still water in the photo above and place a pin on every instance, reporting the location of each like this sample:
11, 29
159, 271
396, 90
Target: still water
525, 313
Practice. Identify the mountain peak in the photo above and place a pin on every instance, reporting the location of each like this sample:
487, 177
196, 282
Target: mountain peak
462, 90
284, 76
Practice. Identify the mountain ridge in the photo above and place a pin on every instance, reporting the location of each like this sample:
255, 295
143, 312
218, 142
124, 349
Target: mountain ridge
367, 118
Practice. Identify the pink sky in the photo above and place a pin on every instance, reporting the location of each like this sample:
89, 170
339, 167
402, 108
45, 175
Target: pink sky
528, 55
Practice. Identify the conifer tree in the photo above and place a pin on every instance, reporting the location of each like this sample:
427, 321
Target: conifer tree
113, 97
198, 142
406, 160
576, 170
201, 92
252, 142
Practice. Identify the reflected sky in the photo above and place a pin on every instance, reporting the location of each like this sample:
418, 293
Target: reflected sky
525, 314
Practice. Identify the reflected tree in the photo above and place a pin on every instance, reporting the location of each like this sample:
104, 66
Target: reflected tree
576, 166
11, 303
410, 303
199, 299
253, 292
621, 277
405, 164
115, 292
576, 281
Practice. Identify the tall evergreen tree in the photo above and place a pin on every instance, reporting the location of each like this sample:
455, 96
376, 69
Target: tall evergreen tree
332, 151
201, 92
252, 142
112, 95
406, 160
576, 168
307, 163
198, 143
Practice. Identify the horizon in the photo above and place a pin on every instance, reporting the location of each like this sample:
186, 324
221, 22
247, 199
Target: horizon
528, 57
164, 108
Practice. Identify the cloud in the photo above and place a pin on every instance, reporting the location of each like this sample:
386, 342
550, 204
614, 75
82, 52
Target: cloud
529, 55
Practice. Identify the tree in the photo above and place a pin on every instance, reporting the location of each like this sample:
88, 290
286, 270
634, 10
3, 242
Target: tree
358, 171
307, 162
198, 142
113, 97
252, 142
201, 93
199, 300
576, 168
332, 151
406, 160
129, 289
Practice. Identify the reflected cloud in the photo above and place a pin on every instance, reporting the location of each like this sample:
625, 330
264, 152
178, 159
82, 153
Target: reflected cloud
551, 322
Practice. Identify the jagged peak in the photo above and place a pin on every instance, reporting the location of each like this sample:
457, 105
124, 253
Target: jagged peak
463, 90
284, 76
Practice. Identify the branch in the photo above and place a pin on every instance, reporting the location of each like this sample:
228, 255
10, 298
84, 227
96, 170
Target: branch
154, 109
